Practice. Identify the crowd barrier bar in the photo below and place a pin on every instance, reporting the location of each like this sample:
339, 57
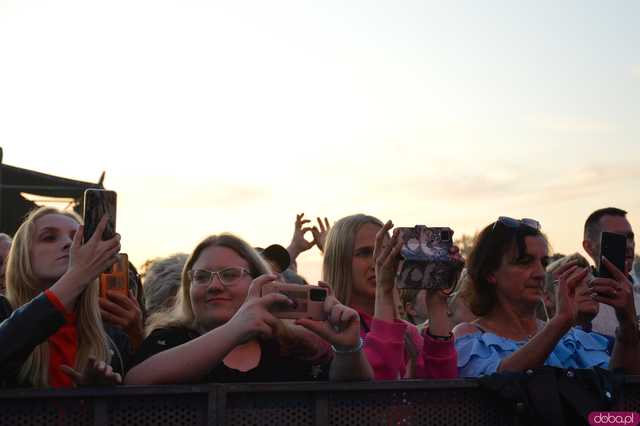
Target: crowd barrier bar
407, 402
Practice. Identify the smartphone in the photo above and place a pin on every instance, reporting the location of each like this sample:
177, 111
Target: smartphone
308, 300
116, 278
97, 203
426, 259
613, 247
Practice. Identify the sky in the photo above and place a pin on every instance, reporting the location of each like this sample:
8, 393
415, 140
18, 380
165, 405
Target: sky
235, 115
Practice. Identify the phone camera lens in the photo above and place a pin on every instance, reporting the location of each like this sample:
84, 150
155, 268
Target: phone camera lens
317, 295
445, 236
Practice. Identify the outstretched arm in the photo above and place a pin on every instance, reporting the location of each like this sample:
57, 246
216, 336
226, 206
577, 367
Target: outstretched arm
618, 293
193, 360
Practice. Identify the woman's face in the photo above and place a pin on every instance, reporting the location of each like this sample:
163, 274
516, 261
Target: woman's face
362, 264
50, 247
214, 304
520, 281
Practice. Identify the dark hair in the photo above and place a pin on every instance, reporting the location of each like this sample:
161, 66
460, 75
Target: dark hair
592, 225
485, 258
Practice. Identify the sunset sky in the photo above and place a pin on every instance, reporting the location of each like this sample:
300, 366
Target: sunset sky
234, 116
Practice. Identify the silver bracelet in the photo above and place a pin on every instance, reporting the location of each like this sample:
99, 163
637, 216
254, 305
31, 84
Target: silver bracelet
358, 348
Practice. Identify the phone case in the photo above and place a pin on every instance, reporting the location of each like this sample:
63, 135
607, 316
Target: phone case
97, 203
117, 278
304, 307
426, 261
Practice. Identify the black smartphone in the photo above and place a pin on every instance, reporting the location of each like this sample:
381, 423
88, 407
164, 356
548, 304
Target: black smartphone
97, 203
613, 247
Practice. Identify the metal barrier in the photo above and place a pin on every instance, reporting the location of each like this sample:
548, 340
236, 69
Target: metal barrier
407, 402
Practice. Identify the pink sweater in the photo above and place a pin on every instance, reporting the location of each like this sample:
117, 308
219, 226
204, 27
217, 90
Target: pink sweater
384, 349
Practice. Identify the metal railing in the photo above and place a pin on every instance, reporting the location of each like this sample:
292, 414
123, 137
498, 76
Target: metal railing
407, 402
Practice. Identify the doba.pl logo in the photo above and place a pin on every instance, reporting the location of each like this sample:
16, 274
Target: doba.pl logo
614, 418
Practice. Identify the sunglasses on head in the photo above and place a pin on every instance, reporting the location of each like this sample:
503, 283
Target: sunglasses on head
517, 223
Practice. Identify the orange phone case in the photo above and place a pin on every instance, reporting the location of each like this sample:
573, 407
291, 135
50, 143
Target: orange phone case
117, 278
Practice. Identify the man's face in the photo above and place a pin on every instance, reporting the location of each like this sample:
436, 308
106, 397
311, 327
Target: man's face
618, 225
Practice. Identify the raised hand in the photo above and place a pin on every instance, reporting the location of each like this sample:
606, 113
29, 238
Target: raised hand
320, 233
616, 292
88, 260
124, 312
253, 319
436, 301
568, 278
95, 374
298, 242
386, 257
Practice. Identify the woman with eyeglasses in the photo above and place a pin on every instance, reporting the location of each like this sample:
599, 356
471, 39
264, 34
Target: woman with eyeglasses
222, 330
360, 263
507, 270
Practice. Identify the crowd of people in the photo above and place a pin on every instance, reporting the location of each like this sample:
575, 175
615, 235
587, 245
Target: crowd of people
203, 317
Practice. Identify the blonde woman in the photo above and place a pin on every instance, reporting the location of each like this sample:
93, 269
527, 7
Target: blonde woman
360, 263
51, 333
5, 245
221, 328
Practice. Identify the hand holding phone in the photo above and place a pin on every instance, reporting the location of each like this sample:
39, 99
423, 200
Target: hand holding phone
308, 300
429, 260
116, 279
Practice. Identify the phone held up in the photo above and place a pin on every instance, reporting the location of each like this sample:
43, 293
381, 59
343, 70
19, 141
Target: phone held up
116, 278
426, 259
613, 247
308, 300
97, 203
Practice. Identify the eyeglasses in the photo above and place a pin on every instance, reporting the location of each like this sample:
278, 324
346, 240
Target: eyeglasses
517, 223
227, 276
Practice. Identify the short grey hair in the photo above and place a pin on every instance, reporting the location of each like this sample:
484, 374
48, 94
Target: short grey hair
162, 281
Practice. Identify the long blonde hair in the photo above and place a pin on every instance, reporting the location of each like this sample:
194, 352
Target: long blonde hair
337, 268
181, 313
23, 286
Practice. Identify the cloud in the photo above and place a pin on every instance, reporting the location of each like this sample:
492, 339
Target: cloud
517, 184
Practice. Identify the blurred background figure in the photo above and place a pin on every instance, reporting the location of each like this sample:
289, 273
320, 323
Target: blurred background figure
548, 307
276, 256
414, 305
588, 308
459, 311
280, 262
161, 282
609, 219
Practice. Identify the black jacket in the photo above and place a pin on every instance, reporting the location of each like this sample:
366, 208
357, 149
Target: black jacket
554, 397
33, 323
